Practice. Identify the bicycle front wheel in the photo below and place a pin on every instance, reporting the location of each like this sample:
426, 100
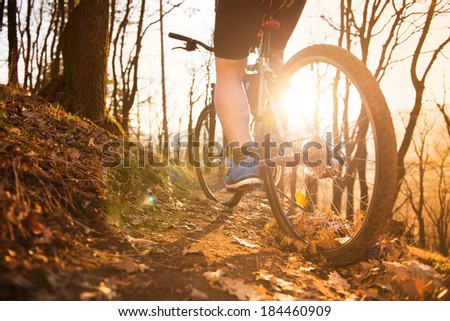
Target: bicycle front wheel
340, 193
210, 154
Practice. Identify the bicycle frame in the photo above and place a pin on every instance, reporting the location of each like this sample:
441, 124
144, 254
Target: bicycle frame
264, 69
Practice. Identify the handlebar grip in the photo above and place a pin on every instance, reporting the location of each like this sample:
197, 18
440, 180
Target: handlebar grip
179, 37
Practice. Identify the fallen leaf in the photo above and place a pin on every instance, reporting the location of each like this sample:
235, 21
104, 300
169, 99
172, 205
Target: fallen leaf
101, 292
192, 251
231, 266
338, 281
213, 276
236, 287
284, 285
309, 268
245, 243
415, 280
108, 293
87, 296
240, 289
130, 266
442, 294
140, 243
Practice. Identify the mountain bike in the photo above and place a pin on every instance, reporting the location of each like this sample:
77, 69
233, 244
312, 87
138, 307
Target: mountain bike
331, 177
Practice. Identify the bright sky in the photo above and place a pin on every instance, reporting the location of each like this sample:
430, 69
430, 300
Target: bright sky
396, 86
199, 24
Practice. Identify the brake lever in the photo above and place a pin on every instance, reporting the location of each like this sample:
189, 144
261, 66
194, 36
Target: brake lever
189, 46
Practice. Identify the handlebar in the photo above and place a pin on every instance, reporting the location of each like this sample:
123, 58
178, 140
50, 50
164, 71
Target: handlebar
191, 44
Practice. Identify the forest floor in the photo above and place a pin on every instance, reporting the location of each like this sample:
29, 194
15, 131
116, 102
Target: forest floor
72, 230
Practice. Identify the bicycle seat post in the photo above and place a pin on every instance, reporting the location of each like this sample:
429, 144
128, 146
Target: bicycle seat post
265, 32
268, 25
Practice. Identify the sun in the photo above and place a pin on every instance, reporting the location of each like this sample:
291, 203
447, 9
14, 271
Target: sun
300, 104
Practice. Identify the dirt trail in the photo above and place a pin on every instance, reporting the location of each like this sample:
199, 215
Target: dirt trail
211, 252
193, 249
174, 245
215, 253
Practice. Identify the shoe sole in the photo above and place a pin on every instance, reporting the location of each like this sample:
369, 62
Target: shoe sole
246, 182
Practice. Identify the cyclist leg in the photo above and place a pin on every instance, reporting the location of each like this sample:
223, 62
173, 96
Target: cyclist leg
288, 18
231, 101
237, 24
236, 28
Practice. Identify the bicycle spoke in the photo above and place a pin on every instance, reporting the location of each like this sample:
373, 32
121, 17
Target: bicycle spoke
336, 211
340, 176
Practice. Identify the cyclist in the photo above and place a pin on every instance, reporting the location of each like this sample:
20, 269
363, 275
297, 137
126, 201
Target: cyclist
236, 27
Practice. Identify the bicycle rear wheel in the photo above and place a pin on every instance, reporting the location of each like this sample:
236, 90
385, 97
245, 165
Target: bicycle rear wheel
341, 193
210, 152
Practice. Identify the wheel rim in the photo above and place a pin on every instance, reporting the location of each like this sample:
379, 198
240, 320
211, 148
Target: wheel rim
327, 197
210, 152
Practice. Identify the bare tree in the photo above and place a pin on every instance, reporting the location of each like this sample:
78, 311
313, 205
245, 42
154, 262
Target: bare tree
40, 25
362, 21
28, 77
163, 77
128, 68
446, 117
441, 107
419, 80
13, 53
124, 61
366, 20
42, 48
117, 57
440, 213
193, 99
395, 22
415, 190
60, 9
34, 79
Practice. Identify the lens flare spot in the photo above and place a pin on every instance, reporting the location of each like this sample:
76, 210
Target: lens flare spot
149, 200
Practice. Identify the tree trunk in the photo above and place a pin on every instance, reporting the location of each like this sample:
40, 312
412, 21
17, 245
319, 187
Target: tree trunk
443, 238
28, 77
59, 29
422, 240
191, 126
13, 56
129, 94
163, 80
85, 53
407, 139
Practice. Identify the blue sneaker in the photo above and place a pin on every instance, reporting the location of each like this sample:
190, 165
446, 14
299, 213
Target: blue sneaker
243, 175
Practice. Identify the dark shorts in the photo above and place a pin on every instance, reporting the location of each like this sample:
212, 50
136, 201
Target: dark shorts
238, 21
